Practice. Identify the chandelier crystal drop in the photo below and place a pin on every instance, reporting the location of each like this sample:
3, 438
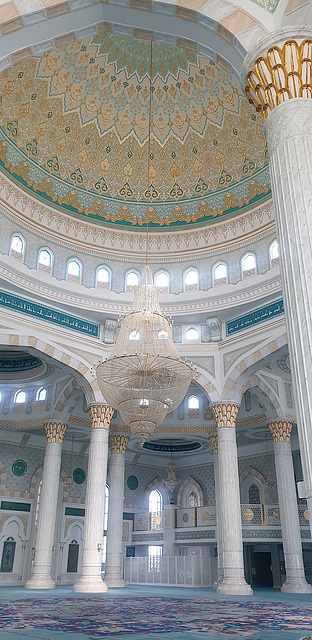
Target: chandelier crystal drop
144, 378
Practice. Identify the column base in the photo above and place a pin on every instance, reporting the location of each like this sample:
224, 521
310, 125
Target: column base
115, 583
232, 587
90, 584
296, 585
40, 582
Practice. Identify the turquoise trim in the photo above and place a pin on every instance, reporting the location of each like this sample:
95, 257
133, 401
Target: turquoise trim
47, 314
73, 511
15, 506
255, 317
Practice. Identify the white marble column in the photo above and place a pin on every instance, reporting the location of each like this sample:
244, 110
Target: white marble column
41, 578
288, 131
213, 439
91, 580
287, 498
113, 565
234, 582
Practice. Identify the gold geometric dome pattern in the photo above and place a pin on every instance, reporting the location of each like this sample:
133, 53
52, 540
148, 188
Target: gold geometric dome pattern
74, 130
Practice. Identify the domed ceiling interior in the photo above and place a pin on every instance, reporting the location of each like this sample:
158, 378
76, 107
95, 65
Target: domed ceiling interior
74, 133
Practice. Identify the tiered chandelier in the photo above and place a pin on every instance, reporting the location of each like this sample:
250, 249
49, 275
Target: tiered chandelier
144, 378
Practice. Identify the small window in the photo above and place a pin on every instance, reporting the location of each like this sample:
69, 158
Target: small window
102, 278
132, 280
220, 274
193, 402
249, 265
41, 395
162, 281
20, 397
191, 280
192, 334
134, 335
17, 247
45, 259
274, 254
73, 271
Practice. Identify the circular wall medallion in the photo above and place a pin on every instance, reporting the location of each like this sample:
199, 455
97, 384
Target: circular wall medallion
79, 476
19, 468
248, 514
132, 483
205, 516
306, 514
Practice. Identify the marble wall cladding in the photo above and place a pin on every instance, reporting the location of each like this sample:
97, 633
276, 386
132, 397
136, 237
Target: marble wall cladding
90, 263
204, 475
266, 467
138, 499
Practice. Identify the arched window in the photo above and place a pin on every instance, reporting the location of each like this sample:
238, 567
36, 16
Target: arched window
191, 280
192, 499
102, 278
17, 247
132, 280
193, 407
20, 397
274, 254
41, 395
73, 272
162, 281
249, 265
45, 260
155, 501
254, 494
191, 334
220, 274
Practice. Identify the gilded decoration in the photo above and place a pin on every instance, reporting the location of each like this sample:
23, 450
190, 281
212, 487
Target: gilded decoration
100, 416
214, 444
225, 414
118, 443
283, 73
74, 130
280, 430
55, 432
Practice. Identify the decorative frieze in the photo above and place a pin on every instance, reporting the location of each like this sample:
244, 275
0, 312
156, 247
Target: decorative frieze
279, 75
101, 415
225, 414
118, 443
280, 430
55, 431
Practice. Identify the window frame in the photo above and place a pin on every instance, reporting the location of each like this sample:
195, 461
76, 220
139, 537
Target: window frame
43, 267
194, 286
109, 283
70, 277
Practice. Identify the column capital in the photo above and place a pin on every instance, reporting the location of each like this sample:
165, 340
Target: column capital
280, 430
280, 68
55, 431
118, 443
214, 444
101, 415
225, 414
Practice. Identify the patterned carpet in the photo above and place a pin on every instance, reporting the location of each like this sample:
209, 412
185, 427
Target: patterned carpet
155, 618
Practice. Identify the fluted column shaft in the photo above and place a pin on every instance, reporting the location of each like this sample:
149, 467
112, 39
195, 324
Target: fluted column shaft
91, 580
113, 566
232, 543
41, 578
287, 497
214, 449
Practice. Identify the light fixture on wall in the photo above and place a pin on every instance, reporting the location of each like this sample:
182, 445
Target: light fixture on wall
144, 378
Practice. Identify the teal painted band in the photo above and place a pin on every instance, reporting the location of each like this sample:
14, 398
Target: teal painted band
262, 314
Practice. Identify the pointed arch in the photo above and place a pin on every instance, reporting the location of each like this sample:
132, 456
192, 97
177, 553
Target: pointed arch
186, 488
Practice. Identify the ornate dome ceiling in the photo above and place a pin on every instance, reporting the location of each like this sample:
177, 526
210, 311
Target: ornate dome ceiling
74, 132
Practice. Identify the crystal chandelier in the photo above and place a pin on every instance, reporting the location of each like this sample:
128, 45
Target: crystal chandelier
144, 378
171, 481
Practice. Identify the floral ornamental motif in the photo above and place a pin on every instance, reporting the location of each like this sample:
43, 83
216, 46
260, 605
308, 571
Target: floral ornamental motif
101, 416
282, 74
225, 414
118, 443
55, 431
280, 430
214, 444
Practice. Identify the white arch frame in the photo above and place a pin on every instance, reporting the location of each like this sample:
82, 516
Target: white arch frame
17, 393
130, 287
192, 340
249, 272
43, 267
190, 287
103, 285
16, 254
70, 277
166, 273
219, 281
273, 261
38, 394
186, 488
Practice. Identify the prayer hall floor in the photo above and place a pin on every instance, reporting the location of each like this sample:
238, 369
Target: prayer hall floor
153, 613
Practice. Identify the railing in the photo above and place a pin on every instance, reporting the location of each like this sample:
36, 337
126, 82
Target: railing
252, 515
180, 571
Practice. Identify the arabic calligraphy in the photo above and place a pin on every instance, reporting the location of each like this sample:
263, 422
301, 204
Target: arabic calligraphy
259, 315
